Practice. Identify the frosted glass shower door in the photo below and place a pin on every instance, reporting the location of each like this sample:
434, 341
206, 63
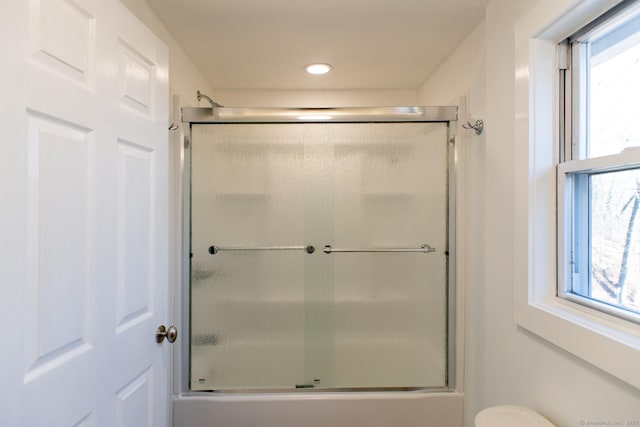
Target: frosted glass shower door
247, 302
390, 192
368, 307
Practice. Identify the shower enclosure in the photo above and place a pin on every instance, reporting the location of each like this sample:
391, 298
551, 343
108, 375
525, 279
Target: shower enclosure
320, 251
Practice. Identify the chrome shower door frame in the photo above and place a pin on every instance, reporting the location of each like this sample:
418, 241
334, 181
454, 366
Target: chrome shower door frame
224, 115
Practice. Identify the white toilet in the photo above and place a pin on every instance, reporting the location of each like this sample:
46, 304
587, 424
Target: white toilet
510, 416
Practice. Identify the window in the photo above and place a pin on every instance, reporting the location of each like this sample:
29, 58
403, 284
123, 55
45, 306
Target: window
599, 168
545, 302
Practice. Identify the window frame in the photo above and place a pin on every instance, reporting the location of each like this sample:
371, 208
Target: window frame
606, 342
575, 166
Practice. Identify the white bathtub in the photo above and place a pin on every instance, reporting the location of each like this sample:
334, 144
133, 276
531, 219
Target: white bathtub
398, 409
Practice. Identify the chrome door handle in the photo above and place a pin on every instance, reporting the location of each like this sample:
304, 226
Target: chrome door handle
170, 334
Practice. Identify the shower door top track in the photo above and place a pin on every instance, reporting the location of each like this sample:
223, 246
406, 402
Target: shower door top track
319, 115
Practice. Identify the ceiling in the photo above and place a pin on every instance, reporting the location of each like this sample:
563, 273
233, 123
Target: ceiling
372, 44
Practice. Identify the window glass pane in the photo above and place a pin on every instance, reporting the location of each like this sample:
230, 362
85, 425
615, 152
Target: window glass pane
615, 239
614, 90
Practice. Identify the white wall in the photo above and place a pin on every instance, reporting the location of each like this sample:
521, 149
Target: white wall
505, 363
462, 73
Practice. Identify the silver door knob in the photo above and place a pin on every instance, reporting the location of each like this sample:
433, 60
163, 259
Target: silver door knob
170, 334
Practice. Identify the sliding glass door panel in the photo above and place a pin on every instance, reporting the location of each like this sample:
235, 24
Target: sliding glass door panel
247, 306
390, 308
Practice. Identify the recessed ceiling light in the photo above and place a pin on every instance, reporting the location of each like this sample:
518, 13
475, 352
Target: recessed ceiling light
318, 68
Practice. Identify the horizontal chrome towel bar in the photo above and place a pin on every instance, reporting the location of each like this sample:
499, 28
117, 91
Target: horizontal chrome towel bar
425, 248
215, 249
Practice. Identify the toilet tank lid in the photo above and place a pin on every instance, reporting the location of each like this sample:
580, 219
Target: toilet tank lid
510, 416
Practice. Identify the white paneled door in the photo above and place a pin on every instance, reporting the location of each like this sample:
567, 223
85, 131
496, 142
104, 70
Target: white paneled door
84, 193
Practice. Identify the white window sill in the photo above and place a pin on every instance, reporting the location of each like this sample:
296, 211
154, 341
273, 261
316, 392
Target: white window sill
606, 342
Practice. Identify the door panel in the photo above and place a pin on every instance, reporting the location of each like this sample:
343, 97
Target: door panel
87, 279
247, 191
62, 38
135, 168
390, 189
59, 204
